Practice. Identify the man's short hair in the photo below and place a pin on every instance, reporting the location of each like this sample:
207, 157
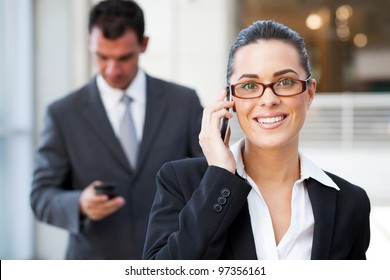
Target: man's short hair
114, 17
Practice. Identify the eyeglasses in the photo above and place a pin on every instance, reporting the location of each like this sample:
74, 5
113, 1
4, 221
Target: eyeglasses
283, 87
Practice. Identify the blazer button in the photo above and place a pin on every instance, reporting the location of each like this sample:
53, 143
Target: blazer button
221, 200
225, 192
217, 208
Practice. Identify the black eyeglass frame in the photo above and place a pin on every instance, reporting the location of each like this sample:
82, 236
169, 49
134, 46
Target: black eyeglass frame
304, 83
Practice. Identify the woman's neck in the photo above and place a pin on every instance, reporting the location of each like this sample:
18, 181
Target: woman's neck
272, 167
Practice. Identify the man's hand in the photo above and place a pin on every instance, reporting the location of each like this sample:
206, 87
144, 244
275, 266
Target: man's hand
96, 207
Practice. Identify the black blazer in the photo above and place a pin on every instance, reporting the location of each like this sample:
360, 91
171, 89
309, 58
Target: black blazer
78, 146
190, 220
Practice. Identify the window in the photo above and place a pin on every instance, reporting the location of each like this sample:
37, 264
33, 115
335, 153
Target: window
348, 43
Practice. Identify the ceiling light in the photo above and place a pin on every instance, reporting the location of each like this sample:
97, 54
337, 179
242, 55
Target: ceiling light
314, 21
360, 40
344, 12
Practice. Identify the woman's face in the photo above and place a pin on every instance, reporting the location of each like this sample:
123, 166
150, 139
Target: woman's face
270, 121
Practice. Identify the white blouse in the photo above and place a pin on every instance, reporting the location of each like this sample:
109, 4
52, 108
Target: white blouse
296, 244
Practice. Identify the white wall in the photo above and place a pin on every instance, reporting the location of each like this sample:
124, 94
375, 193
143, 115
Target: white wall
52, 80
189, 42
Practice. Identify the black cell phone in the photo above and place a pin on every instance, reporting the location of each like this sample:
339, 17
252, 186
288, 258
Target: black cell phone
224, 128
225, 122
107, 188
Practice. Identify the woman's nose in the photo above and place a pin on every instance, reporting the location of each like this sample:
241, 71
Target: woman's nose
269, 98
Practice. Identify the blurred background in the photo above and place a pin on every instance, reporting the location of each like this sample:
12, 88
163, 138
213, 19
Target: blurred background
43, 56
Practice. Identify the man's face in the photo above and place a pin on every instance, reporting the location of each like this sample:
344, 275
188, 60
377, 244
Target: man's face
117, 60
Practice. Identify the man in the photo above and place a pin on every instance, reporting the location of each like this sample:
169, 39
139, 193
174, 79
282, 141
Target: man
81, 142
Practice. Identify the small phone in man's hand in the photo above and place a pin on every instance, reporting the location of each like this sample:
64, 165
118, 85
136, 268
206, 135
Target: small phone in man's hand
107, 188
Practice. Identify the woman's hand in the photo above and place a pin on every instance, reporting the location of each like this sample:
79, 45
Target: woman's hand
215, 150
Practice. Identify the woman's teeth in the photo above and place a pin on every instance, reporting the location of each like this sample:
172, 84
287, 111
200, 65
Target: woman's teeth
270, 120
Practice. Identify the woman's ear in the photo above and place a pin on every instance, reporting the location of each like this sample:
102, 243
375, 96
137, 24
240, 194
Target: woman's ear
311, 89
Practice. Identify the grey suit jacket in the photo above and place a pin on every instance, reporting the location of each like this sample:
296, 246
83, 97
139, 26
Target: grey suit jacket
78, 146
201, 212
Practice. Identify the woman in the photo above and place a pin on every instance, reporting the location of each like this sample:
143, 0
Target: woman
260, 198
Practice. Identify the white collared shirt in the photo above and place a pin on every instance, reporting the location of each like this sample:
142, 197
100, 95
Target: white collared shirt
296, 244
111, 98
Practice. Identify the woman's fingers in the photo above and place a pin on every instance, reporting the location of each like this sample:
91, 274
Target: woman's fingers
213, 114
214, 148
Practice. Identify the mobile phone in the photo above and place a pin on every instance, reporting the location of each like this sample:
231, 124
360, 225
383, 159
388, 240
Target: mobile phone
107, 188
225, 122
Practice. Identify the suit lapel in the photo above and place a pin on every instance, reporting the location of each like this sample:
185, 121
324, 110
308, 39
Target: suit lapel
323, 201
241, 238
94, 112
154, 114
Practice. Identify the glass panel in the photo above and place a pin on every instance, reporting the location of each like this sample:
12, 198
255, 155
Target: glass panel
15, 129
3, 236
348, 44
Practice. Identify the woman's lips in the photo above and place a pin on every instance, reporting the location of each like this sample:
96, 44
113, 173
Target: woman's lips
270, 122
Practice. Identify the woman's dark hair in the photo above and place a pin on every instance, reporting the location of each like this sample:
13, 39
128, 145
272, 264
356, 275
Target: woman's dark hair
268, 30
114, 17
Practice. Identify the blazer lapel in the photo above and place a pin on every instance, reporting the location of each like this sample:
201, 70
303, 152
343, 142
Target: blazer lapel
241, 238
323, 201
94, 112
154, 114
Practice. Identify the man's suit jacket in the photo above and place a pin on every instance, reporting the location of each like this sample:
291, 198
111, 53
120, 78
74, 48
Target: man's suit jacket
201, 212
79, 146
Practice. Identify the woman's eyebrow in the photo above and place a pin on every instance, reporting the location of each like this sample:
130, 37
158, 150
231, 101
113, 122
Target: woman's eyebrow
248, 76
278, 73
281, 72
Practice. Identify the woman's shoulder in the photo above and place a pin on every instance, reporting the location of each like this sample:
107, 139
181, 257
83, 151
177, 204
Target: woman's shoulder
347, 188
